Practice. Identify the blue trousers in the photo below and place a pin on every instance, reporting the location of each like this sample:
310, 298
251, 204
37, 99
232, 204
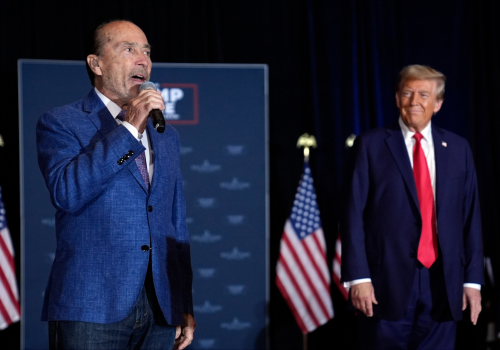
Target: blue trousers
137, 331
421, 327
145, 328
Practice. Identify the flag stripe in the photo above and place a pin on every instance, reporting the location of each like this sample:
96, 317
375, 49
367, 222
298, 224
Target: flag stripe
7, 271
7, 262
5, 235
291, 305
299, 302
306, 274
320, 241
308, 263
311, 255
9, 296
296, 302
5, 316
299, 282
324, 290
317, 257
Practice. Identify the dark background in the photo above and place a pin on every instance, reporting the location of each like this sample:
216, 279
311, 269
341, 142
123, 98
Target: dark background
332, 71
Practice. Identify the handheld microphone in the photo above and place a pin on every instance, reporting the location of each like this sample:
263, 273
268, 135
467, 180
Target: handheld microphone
155, 114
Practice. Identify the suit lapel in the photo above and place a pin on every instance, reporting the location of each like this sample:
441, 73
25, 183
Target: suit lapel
98, 113
105, 123
154, 139
441, 161
396, 144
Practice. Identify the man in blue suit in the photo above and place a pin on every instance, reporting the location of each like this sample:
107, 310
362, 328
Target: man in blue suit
121, 277
411, 228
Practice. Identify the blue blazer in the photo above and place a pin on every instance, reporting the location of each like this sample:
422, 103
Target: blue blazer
381, 224
105, 215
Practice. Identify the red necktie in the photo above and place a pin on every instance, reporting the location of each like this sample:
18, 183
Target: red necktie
427, 247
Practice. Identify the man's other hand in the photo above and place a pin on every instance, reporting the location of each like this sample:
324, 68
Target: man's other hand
472, 297
184, 334
363, 296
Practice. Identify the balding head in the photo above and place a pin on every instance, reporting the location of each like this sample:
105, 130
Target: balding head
121, 60
100, 36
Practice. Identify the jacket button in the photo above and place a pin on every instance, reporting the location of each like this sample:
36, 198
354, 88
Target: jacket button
120, 162
130, 153
126, 157
144, 248
412, 255
150, 208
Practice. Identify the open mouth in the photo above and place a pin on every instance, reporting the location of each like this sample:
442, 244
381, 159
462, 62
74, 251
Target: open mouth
139, 77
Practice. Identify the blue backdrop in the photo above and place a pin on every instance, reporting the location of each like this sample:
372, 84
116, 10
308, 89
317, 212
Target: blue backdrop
220, 112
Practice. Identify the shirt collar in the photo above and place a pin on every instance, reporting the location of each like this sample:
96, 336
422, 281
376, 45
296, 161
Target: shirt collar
408, 134
113, 108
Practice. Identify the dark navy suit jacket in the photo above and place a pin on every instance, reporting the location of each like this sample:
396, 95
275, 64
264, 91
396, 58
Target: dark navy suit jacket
105, 214
381, 224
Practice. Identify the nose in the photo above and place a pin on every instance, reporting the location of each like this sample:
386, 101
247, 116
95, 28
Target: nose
142, 60
414, 99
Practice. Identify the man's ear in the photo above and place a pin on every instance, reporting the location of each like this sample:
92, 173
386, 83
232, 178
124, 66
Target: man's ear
93, 63
438, 105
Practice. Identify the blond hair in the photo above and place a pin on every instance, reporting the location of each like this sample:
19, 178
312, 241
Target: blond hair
419, 72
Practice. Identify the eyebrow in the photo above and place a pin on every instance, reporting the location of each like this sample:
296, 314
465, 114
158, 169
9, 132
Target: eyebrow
127, 43
419, 91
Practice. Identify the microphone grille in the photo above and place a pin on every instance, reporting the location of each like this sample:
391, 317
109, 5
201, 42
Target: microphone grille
147, 85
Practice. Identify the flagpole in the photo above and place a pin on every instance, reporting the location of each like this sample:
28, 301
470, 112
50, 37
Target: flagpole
306, 141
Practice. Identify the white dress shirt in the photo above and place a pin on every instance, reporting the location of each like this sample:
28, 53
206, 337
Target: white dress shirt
114, 109
428, 148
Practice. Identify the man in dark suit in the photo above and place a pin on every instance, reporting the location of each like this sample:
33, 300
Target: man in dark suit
121, 277
411, 227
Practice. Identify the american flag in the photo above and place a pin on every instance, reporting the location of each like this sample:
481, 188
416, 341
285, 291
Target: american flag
302, 273
337, 262
9, 298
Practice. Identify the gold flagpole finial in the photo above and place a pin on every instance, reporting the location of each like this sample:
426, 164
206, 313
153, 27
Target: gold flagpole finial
306, 141
349, 142
2, 143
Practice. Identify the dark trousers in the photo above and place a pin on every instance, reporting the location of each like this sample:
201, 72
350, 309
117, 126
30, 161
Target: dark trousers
426, 324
